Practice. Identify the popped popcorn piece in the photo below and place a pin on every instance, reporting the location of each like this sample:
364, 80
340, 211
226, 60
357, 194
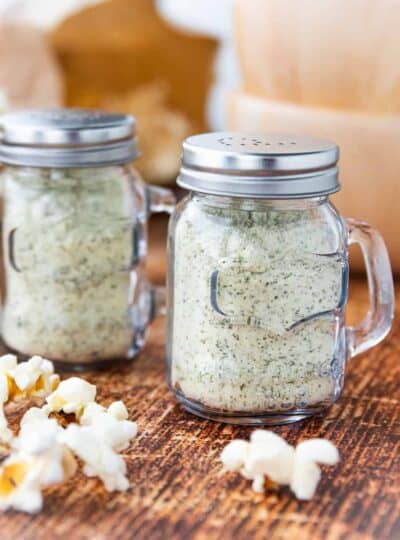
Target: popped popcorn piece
111, 425
269, 457
38, 460
99, 458
97, 441
71, 396
34, 378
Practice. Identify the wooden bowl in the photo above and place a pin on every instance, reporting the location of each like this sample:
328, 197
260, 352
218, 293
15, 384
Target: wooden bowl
340, 54
369, 162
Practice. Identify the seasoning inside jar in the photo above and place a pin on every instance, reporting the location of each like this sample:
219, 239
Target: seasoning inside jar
248, 337
68, 278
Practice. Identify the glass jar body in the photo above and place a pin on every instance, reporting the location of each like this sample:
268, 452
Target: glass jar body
257, 291
74, 243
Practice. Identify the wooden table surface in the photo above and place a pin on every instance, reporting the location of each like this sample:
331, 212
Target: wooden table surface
177, 488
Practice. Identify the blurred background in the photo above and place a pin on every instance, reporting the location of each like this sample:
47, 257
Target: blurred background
328, 69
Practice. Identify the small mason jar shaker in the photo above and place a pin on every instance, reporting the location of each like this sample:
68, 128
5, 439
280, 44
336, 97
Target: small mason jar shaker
258, 280
74, 234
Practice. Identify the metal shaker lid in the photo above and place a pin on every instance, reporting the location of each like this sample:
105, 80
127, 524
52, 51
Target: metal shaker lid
263, 166
67, 138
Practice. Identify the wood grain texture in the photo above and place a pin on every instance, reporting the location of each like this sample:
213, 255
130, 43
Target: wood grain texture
179, 492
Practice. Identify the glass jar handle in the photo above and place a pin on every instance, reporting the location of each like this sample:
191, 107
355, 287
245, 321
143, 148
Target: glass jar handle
376, 325
159, 200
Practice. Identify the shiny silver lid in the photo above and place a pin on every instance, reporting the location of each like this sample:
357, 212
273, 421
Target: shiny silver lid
67, 138
263, 166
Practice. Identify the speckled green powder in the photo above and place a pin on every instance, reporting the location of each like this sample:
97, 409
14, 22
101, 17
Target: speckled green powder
67, 298
277, 270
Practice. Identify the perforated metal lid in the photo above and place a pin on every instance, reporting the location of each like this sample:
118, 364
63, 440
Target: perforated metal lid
262, 166
67, 138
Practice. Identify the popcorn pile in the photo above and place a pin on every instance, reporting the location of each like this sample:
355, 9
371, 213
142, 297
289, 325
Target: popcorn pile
44, 453
269, 458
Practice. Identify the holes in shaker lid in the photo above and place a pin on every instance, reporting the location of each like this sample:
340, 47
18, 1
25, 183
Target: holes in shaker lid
255, 143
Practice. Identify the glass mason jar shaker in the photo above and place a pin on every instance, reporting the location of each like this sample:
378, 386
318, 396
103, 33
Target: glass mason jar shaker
258, 280
74, 235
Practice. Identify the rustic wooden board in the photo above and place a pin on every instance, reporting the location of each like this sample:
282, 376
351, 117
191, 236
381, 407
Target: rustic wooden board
177, 489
